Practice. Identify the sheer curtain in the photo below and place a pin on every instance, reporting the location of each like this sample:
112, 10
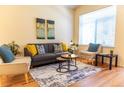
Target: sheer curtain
106, 31
98, 27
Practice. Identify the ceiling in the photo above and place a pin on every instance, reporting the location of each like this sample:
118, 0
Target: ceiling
72, 6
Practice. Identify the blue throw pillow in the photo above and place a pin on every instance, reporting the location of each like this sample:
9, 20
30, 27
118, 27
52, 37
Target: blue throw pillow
93, 47
6, 54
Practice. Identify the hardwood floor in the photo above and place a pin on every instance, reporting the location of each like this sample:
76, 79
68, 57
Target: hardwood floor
105, 78
18, 81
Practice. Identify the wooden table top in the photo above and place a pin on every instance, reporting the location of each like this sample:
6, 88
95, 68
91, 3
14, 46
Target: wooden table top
68, 56
107, 54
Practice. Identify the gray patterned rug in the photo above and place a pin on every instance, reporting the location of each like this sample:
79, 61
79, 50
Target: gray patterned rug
47, 76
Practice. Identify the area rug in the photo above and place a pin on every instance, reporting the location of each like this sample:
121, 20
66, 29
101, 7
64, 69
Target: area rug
47, 76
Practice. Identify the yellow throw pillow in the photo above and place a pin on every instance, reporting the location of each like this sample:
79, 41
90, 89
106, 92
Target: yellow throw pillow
32, 49
64, 46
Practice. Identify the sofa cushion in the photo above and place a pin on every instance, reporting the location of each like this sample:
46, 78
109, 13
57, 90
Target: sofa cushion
6, 54
43, 57
46, 48
58, 48
40, 49
50, 48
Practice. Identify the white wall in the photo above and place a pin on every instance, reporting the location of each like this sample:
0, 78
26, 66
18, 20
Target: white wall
18, 23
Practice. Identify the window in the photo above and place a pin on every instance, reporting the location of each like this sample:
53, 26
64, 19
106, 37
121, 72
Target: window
98, 27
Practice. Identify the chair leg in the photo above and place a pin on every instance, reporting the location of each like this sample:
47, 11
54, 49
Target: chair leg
26, 77
92, 62
0, 80
87, 61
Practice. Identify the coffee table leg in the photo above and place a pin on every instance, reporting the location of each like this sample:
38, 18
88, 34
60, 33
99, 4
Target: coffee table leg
110, 64
60, 64
102, 59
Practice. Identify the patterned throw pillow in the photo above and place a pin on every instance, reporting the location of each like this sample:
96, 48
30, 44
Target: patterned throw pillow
40, 49
58, 48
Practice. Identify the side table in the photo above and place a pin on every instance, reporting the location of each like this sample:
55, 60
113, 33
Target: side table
110, 59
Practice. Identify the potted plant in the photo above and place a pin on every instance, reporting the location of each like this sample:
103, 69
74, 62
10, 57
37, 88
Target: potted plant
14, 47
111, 51
73, 47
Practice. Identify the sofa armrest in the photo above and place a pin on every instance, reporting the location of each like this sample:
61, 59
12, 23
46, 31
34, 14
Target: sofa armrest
27, 53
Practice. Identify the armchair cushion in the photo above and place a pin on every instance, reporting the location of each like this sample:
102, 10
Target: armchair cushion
88, 53
93, 47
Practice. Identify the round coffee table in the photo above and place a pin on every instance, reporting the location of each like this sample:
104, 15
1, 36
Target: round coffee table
68, 59
61, 67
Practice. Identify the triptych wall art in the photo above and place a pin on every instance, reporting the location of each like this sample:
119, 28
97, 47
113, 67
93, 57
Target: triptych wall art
45, 29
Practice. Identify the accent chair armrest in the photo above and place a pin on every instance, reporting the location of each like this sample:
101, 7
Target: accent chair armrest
19, 66
87, 52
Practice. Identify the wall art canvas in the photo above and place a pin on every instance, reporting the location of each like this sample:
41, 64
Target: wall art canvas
40, 28
50, 29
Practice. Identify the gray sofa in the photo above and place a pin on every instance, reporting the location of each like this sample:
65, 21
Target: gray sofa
42, 59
